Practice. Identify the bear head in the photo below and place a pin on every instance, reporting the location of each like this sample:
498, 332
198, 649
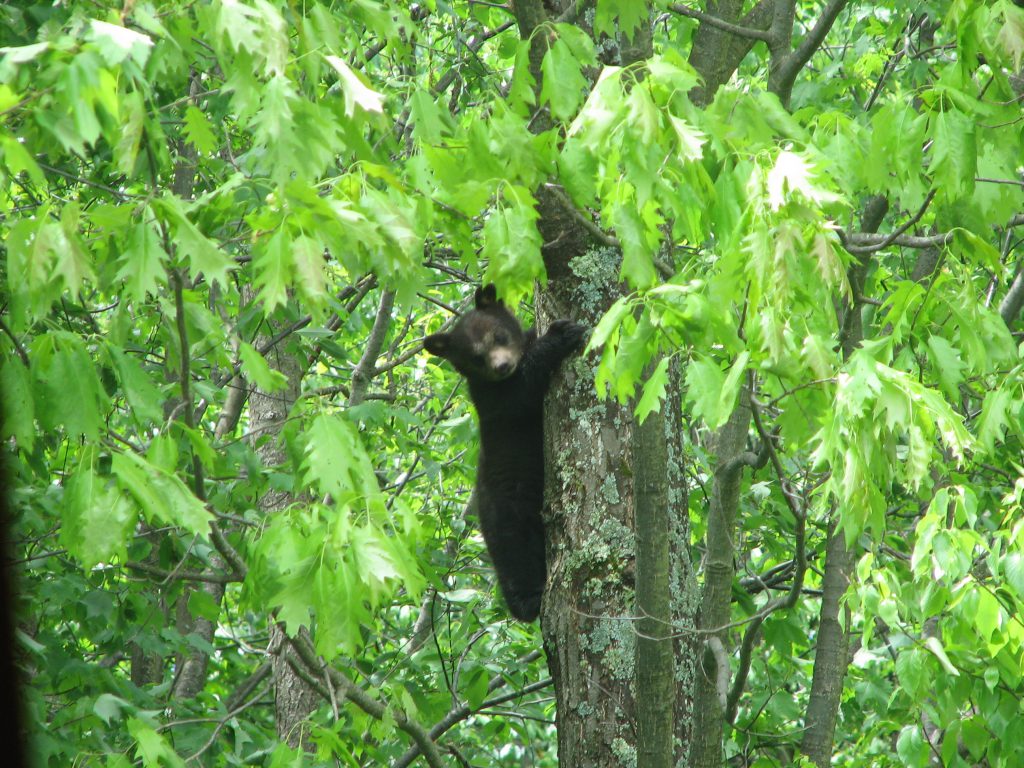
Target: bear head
486, 343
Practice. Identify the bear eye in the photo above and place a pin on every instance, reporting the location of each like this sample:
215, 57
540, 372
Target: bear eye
501, 338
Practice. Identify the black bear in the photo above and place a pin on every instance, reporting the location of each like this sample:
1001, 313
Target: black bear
509, 371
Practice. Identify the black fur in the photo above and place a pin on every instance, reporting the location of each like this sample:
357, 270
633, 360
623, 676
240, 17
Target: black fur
509, 372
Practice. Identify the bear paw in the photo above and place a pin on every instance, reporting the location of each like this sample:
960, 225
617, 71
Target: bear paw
572, 334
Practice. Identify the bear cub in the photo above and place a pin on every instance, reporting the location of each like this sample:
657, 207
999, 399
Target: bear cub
508, 371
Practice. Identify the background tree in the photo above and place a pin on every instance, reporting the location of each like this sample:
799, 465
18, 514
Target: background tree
785, 481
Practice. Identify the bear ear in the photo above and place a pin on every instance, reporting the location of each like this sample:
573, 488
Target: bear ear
486, 296
437, 344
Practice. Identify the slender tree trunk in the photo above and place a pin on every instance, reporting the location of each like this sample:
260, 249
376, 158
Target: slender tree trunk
717, 53
655, 665
831, 656
191, 675
268, 412
192, 664
713, 674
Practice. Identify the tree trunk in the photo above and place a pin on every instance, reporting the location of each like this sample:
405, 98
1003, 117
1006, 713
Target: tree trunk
595, 458
831, 656
717, 53
713, 674
589, 635
655, 663
293, 698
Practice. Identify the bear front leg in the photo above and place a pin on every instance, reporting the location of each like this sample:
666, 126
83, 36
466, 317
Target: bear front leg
563, 338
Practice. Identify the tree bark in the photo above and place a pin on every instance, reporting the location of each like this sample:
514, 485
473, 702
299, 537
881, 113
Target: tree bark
589, 634
716, 601
831, 656
655, 667
294, 699
716, 52
193, 662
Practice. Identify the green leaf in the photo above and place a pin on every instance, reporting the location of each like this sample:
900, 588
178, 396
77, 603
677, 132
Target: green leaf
144, 397
1011, 35
791, 174
17, 403
117, 43
730, 392
934, 645
336, 461
272, 123
24, 53
563, 85
199, 131
911, 747
109, 707
578, 172
690, 141
512, 244
636, 347
639, 240
988, 616
955, 155
431, 122
913, 671
672, 72
521, 95
273, 265
654, 391
258, 371
1013, 568
947, 365
357, 93
630, 14
142, 264
704, 383
308, 258
133, 121
204, 256
98, 521
203, 605
162, 497
608, 323
73, 395
152, 747
643, 117
579, 42
602, 113
995, 417
17, 160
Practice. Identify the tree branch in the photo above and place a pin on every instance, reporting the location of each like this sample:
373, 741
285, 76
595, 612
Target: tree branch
363, 700
791, 64
17, 345
896, 234
463, 712
1011, 304
366, 368
865, 242
162, 573
717, 23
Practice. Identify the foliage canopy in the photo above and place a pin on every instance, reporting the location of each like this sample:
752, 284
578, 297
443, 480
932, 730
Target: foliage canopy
204, 202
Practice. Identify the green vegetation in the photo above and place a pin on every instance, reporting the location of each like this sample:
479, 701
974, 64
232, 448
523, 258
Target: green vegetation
240, 488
